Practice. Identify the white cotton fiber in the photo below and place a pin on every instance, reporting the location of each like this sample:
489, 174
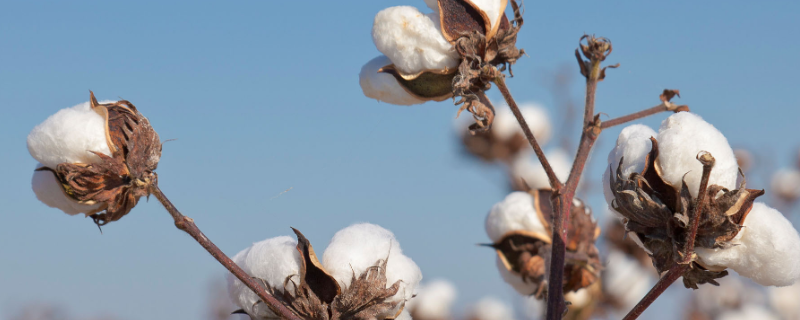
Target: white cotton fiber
490, 308
681, 137
382, 86
515, 212
749, 312
412, 40
633, 143
625, 279
784, 301
271, 260
505, 124
434, 301
494, 9
68, 136
527, 166
766, 250
515, 280
360, 246
49, 191
786, 183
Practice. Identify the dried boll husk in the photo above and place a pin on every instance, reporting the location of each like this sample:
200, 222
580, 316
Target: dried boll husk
525, 253
658, 214
426, 85
117, 181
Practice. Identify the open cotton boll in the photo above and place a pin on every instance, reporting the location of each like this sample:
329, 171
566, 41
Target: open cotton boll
786, 184
749, 312
515, 212
49, 191
515, 280
493, 9
490, 308
505, 125
625, 279
784, 301
413, 41
681, 137
69, 136
633, 145
271, 260
766, 250
383, 86
527, 166
360, 246
434, 301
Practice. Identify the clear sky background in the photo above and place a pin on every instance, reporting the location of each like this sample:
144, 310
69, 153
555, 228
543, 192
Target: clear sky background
264, 96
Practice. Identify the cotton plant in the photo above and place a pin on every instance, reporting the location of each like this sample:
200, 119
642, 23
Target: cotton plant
95, 158
506, 141
625, 281
434, 301
786, 184
526, 169
490, 308
783, 300
363, 275
680, 195
450, 52
519, 228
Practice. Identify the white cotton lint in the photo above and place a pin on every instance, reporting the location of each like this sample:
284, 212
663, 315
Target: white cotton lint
681, 137
69, 136
505, 124
434, 301
490, 308
625, 279
382, 86
49, 191
515, 212
413, 41
494, 9
360, 246
633, 144
526, 166
786, 184
766, 250
784, 301
271, 260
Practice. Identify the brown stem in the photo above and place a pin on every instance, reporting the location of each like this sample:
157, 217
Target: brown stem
672, 274
708, 163
499, 80
187, 224
634, 116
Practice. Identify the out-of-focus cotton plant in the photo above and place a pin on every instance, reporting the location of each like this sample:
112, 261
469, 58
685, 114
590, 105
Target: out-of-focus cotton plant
434, 301
490, 308
363, 275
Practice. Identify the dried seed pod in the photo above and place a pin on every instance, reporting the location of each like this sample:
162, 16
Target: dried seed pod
115, 181
524, 247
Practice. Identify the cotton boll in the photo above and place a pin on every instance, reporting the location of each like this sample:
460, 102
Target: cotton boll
786, 184
49, 191
360, 246
681, 137
633, 145
784, 301
505, 124
749, 312
271, 260
434, 301
515, 212
412, 40
383, 86
69, 136
625, 279
493, 9
527, 167
515, 280
490, 308
765, 250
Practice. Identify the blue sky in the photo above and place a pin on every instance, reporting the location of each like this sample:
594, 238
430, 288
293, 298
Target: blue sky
264, 96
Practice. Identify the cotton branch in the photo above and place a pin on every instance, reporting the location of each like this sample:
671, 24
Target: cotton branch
665, 105
187, 224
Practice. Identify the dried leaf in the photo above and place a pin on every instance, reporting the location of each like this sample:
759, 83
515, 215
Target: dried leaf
313, 274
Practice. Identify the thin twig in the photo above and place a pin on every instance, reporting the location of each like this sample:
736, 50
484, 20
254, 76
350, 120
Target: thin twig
672, 274
499, 80
187, 224
634, 116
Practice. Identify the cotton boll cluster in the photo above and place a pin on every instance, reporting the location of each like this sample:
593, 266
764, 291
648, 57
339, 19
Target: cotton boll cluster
515, 212
272, 260
360, 246
528, 168
383, 86
490, 308
786, 184
766, 250
434, 301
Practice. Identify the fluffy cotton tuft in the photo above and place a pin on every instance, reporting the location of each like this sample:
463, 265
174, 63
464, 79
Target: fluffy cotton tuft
749, 312
383, 86
505, 125
434, 300
527, 166
515, 280
490, 308
681, 137
786, 183
515, 212
271, 260
633, 144
625, 279
412, 40
766, 250
360, 246
69, 136
493, 9
49, 191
